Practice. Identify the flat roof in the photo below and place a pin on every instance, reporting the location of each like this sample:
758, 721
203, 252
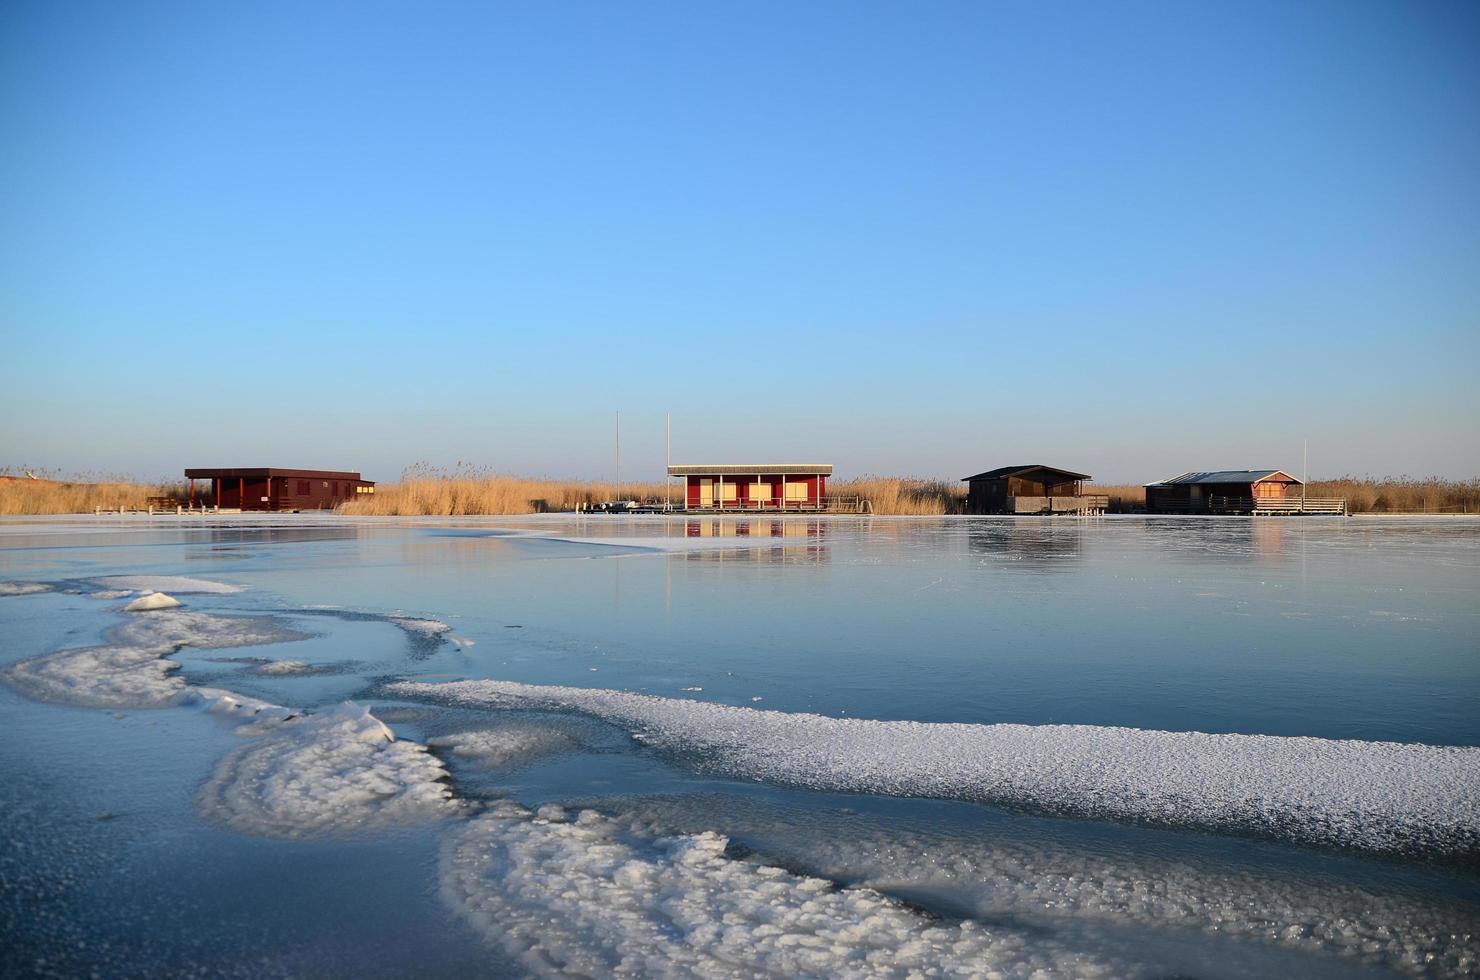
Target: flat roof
751, 469
258, 472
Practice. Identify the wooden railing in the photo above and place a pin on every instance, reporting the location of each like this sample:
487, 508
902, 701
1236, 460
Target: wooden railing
847, 505
1278, 505
1086, 503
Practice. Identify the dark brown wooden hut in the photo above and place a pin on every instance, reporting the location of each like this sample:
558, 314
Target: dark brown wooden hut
1033, 489
272, 488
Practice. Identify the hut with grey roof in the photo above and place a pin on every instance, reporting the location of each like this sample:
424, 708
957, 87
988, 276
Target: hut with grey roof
1237, 492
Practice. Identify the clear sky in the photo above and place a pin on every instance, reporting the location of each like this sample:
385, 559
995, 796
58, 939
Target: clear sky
1130, 239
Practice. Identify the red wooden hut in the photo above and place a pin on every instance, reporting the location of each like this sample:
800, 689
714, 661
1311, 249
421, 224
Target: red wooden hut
754, 486
273, 488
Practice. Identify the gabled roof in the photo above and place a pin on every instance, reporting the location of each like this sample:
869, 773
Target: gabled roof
751, 469
1003, 472
1225, 476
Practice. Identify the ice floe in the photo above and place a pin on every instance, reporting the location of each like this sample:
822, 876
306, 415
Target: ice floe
1377, 796
332, 773
165, 583
152, 601
23, 588
589, 898
506, 746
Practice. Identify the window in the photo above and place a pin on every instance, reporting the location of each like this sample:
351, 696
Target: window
727, 492
796, 491
759, 492
303, 488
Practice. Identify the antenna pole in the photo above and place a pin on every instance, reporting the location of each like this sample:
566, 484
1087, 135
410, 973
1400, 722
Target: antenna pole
1304, 470
667, 460
618, 455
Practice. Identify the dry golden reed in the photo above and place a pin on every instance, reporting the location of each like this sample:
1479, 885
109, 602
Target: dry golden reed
465, 490
23, 495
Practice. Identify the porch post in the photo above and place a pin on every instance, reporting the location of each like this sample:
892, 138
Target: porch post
241, 492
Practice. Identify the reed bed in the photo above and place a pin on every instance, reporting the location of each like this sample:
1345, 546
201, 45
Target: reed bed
904, 495
1401, 494
464, 491
23, 495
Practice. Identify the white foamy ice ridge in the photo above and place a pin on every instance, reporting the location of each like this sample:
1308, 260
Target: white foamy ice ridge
336, 772
1376, 796
588, 898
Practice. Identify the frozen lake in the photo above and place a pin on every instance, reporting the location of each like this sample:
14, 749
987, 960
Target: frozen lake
1119, 747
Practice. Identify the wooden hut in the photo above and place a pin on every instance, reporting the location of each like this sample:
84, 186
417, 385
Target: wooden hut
1033, 489
273, 488
754, 486
1236, 492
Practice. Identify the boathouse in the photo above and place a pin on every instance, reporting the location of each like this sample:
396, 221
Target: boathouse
754, 486
272, 488
1237, 492
1031, 489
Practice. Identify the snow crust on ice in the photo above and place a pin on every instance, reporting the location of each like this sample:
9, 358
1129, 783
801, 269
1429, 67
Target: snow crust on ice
338, 772
284, 667
424, 627
1376, 796
507, 746
1133, 897
23, 588
152, 601
165, 583
98, 677
129, 670
588, 898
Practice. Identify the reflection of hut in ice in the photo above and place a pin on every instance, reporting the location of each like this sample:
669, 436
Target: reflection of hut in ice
785, 540
1035, 489
1033, 545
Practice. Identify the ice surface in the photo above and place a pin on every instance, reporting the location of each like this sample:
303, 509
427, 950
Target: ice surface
588, 898
506, 746
23, 588
164, 583
152, 601
335, 773
1378, 796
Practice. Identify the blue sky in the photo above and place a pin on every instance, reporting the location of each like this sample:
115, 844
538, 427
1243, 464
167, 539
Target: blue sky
1131, 239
